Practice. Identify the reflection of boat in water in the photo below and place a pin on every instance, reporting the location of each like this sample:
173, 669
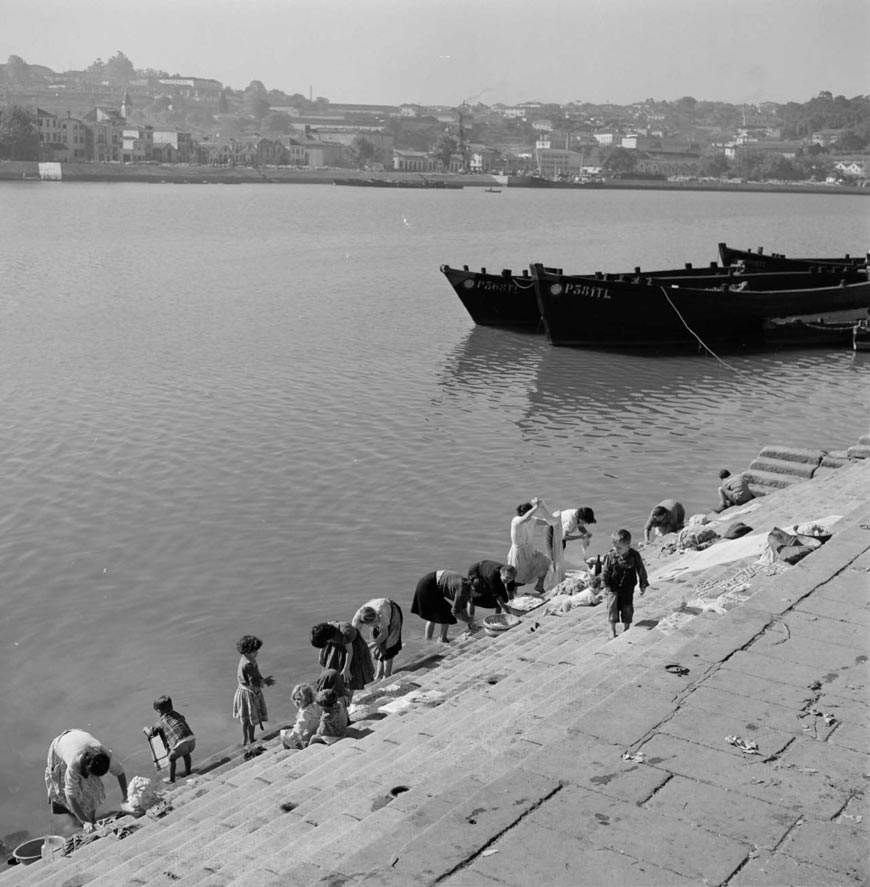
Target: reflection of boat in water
660, 313
492, 361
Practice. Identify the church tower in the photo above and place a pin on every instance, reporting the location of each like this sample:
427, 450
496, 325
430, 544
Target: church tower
126, 105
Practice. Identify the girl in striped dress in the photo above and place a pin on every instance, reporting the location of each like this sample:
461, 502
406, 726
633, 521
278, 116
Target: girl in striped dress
249, 706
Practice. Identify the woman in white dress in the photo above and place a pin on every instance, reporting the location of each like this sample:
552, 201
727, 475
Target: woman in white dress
532, 565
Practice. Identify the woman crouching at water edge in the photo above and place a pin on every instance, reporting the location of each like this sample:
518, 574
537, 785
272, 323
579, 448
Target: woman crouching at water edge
442, 598
76, 761
531, 564
344, 649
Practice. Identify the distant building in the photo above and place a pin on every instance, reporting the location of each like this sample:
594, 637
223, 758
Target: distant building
181, 144
413, 161
826, 137
670, 163
853, 168
106, 126
200, 89
605, 139
62, 138
136, 143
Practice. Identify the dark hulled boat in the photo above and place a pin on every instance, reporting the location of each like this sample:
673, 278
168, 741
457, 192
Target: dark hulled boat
805, 332
432, 184
503, 300
759, 260
668, 313
508, 300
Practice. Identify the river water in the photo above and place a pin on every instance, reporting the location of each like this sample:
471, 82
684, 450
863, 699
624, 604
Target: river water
231, 410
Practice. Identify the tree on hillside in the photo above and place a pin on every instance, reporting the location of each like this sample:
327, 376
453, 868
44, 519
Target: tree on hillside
715, 165
817, 168
19, 136
445, 148
16, 70
151, 73
362, 152
748, 165
850, 140
119, 68
776, 166
254, 100
620, 160
275, 122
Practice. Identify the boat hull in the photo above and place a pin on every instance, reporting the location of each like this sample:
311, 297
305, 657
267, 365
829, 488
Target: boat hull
510, 301
774, 261
501, 300
591, 313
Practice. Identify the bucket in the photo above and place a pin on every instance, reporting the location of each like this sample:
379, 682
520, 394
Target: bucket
31, 851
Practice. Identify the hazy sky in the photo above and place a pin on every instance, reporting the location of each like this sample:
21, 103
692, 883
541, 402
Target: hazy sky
446, 51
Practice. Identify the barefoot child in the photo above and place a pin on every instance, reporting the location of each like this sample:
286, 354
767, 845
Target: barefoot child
249, 706
307, 717
175, 732
333, 718
623, 569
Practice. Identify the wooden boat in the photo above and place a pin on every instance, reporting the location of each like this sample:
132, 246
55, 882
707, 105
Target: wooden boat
750, 260
509, 300
811, 331
436, 184
492, 190
662, 313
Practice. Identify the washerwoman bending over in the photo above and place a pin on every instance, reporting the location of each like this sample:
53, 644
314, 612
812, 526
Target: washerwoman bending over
443, 598
343, 648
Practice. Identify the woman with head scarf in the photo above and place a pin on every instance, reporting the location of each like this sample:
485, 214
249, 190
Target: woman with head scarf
343, 648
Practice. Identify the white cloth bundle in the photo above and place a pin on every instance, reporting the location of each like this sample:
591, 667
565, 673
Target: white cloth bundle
141, 794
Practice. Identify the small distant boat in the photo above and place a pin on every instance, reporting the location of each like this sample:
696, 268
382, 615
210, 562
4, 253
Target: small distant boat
432, 184
759, 260
492, 190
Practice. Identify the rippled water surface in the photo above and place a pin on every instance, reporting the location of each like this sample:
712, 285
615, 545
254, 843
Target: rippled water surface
248, 409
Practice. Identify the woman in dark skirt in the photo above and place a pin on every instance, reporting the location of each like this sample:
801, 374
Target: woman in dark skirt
343, 648
442, 598
493, 585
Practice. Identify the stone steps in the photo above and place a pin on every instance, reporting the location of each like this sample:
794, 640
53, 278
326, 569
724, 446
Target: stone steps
505, 698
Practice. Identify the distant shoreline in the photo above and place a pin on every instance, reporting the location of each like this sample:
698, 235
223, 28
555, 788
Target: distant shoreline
28, 171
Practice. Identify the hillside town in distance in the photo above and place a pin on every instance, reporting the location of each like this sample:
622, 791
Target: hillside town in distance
113, 112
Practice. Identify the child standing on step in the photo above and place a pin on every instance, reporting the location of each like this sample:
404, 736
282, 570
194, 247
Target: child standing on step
176, 734
249, 706
623, 569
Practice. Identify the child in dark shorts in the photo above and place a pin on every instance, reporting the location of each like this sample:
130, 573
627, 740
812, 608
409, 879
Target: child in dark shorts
623, 569
176, 734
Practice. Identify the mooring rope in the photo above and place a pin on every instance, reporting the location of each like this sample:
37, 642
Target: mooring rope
703, 344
